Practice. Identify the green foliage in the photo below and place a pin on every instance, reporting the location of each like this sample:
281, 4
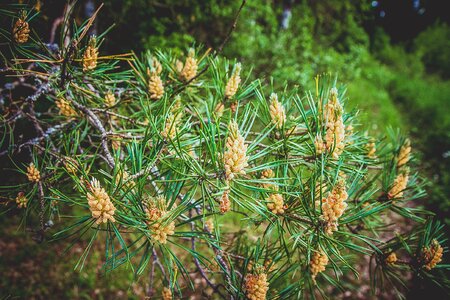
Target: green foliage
173, 148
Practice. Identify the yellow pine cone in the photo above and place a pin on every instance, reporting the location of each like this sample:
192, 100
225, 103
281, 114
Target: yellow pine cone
21, 200
268, 174
371, 150
209, 225
110, 99
170, 128
64, 108
155, 83
333, 206
157, 220
124, 178
318, 263
276, 204
432, 255
90, 55
391, 258
220, 107
404, 154
70, 164
399, 185
277, 113
21, 31
225, 203
100, 204
335, 128
190, 67
319, 145
235, 157
33, 174
256, 286
166, 294
234, 81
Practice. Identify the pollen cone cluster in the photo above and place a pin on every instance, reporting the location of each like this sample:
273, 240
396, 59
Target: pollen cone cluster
318, 263
155, 83
334, 206
190, 67
21, 200
90, 55
110, 99
70, 164
209, 225
166, 294
157, 215
33, 173
100, 204
391, 258
235, 156
219, 109
21, 31
399, 185
432, 255
64, 108
404, 154
277, 113
319, 144
276, 203
371, 150
123, 177
265, 175
256, 286
225, 203
234, 81
170, 127
335, 128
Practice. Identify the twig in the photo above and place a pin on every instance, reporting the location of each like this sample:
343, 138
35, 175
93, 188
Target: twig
95, 121
197, 263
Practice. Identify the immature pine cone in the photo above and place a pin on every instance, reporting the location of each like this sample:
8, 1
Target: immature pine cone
155, 84
335, 128
33, 174
64, 108
334, 206
319, 261
209, 225
432, 255
189, 70
170, 128
157, 214
21, 31
70, 164
21, 200
110, 99
225, 203
235, 156
234, 81
399, 185
166, 294
404, 154
319, 145
277, 113
372, 150
220, 107
100, 204
256, 286
268, 174
391, 258
124, 178
276, 204
90, 55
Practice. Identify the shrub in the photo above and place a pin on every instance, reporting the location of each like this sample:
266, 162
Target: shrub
183, 167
